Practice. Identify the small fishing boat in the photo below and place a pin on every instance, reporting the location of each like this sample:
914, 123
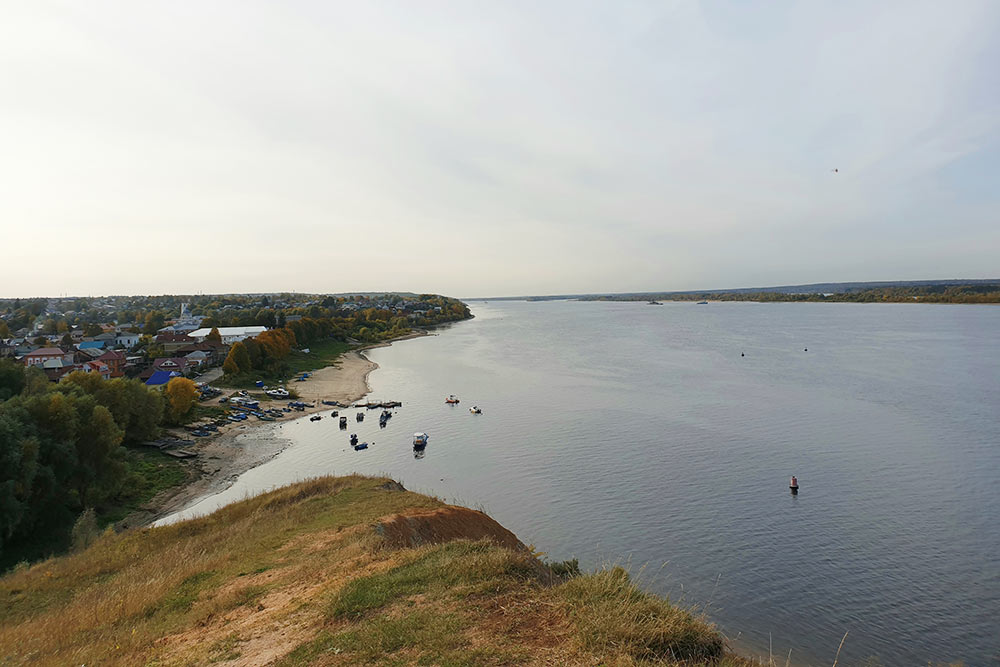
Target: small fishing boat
354, 439
475, 410
451, 400
277, 393
361, 445
335, 413
419, 440
360, 416
315, 418
343, 422
702, 303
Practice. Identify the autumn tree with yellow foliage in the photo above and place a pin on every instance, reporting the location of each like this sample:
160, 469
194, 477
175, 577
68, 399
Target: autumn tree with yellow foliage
181, 394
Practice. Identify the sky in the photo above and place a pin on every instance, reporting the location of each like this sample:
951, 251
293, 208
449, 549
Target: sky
495, 148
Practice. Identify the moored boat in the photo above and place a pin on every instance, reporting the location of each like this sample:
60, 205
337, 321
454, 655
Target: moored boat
419, 440
475, 410
452, 399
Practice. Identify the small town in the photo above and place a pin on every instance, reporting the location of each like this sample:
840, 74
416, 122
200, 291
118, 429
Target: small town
175, 338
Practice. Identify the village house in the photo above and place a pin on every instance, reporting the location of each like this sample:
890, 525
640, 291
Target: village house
171, 342
126, 339
115, 361
40, 356
229, 335
98, 367
55, 369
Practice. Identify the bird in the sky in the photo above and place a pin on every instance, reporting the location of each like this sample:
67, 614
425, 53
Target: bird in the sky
836, 171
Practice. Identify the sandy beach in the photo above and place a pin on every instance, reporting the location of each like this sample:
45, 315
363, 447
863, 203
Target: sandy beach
238, 447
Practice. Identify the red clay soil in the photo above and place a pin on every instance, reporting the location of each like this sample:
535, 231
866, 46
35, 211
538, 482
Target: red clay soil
419, 527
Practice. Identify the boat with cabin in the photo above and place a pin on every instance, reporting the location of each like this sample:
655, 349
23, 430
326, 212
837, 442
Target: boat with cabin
451, 400
419, 440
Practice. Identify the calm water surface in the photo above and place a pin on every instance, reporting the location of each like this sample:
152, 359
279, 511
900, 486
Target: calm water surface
634, 433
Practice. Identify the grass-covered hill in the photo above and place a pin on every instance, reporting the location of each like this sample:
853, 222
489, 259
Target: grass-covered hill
336, 571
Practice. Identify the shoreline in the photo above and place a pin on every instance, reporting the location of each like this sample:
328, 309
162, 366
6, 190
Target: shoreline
242, 446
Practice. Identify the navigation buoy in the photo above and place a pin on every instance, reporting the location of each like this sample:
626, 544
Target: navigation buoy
742, 355
806, 350
794, 485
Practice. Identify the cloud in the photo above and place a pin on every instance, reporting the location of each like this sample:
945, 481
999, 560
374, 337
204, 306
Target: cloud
483, 148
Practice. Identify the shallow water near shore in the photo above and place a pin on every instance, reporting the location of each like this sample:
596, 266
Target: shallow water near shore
621, 431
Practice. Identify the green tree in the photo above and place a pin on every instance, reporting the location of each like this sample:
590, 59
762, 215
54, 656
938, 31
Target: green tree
66, 340
229, 366
154, 322
241, 357
214, 335
12, 378
4, 329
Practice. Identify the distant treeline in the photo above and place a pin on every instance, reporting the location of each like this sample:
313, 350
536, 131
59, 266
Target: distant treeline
971, 293
269, 351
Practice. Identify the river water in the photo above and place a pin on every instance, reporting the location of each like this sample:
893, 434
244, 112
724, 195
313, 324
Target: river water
663, 437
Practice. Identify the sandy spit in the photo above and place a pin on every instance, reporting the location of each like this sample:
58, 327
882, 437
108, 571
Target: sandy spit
245, 445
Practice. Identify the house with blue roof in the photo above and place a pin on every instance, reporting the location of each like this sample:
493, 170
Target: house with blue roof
92, 345
161, 378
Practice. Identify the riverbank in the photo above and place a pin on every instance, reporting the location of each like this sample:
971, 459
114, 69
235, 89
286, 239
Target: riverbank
339, 570
241, 446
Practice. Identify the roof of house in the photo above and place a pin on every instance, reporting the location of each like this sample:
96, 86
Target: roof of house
161, 377
170, 362
45, 352
168, 337
92, 344
111, 354
230, 331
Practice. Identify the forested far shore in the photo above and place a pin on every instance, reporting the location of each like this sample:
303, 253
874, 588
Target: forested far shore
970, 293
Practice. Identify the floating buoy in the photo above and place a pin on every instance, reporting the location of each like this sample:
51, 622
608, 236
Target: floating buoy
794, 485
742, 355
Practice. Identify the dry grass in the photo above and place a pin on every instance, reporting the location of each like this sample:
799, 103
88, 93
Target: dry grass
300, 576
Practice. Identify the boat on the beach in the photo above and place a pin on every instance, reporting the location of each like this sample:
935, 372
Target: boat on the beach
277, 393
315, 418
419, 440
392, 404
360, 416
451, 400
475, 410
354, 439
361, 445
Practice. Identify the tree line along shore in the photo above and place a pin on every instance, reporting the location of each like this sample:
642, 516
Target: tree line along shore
979, 292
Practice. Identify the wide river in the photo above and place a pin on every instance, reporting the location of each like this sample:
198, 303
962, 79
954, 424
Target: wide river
663, 437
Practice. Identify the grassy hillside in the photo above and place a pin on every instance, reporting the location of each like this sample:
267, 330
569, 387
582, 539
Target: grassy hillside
335, 571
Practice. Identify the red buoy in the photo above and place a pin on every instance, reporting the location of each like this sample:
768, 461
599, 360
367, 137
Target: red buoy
794, 484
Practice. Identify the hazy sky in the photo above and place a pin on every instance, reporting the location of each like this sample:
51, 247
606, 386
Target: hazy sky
495, 148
